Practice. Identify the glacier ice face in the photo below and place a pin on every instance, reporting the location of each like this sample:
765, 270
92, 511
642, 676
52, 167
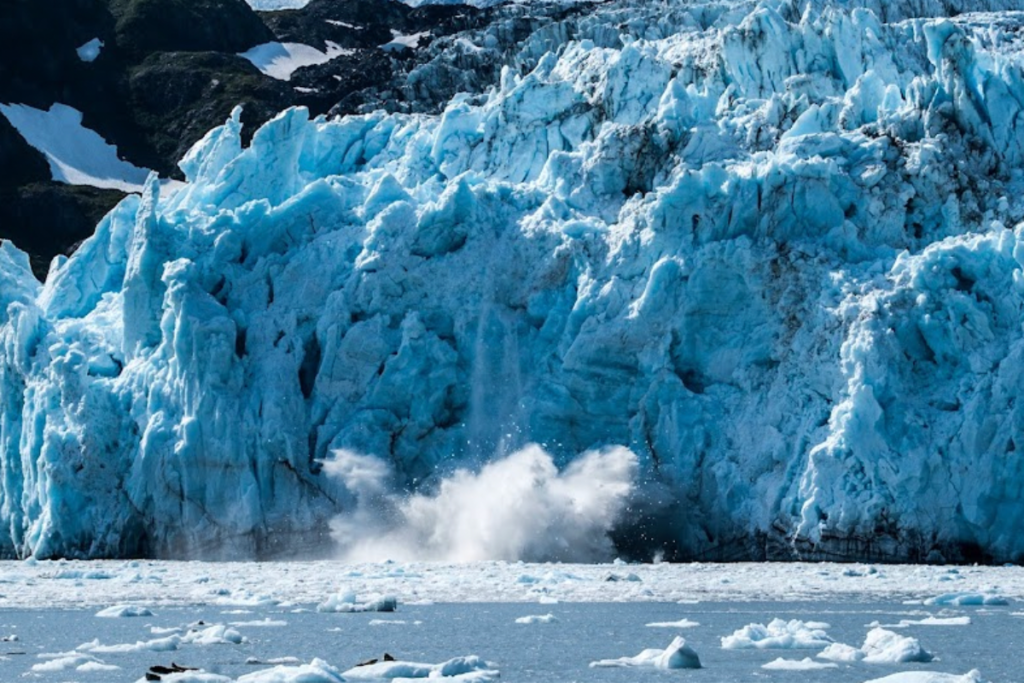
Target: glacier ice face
764, 245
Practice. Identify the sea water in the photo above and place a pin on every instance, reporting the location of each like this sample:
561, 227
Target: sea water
559, 651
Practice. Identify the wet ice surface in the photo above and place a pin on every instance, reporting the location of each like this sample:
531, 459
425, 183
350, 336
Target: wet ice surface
558, 651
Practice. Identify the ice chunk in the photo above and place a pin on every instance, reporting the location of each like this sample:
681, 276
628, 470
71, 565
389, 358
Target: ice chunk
346, 601
470, 669
885, 647
682, 623
778, 634
840, 652
678, 655
64, 663
967, 599
216, 634
167, 644
973, 676
119, 611
805, 664
317, 671
537, 619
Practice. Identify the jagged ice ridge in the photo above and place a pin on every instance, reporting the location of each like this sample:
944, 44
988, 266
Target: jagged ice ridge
770, 247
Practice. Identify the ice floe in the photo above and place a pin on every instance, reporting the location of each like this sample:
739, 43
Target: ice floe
778, 635
678, 655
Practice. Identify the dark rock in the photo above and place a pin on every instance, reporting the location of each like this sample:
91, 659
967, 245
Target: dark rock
50, 218
177, 97
146, 26
20, 163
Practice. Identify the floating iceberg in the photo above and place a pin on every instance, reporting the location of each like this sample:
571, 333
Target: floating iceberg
678, 655
778, 635
769, 247
468, 669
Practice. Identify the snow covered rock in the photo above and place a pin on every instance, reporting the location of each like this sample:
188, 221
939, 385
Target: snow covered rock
770, 247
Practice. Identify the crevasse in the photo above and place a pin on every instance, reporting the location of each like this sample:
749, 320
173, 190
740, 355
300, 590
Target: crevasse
768, 246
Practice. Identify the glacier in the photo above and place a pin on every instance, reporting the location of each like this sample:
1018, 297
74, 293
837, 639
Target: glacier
774, 248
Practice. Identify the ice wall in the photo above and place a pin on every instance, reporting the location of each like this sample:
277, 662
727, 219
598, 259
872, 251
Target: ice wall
770, 247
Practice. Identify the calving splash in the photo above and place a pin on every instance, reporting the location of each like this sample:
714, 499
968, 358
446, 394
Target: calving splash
519, 507
770, 247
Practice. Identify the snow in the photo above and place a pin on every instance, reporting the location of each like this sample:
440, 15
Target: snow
470, 669
778, 634
805, 664
281, 60
773, 254
537, 619
678, 655
77, 155
89, 51
400, 41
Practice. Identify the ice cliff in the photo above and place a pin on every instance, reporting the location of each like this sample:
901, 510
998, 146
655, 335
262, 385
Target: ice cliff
771, 247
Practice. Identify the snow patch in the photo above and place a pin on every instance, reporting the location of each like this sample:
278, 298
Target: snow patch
281, 60
77, 155
401, 41
90, 50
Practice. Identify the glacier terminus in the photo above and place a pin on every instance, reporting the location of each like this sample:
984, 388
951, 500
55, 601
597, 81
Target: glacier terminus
739, 279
